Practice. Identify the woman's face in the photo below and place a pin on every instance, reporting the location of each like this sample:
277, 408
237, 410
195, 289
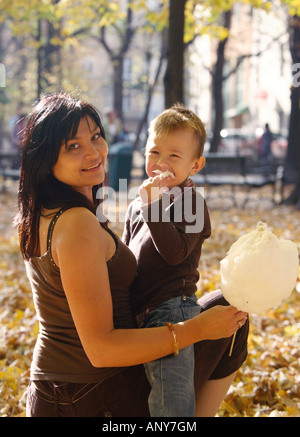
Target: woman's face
81, 161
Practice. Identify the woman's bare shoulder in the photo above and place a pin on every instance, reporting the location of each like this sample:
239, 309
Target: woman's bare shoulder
77, 221
78, 213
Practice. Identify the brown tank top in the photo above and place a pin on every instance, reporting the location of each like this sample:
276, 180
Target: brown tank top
58, 353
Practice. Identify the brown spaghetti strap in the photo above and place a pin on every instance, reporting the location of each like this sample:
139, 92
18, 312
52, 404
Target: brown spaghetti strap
50, 232
51, 227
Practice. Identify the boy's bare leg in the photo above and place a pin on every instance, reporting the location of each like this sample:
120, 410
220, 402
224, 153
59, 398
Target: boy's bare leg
211, 395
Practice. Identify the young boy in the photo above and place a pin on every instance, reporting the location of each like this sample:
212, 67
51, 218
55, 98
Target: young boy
165, 229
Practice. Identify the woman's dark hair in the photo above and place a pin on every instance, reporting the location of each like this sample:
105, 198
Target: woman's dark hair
53, 121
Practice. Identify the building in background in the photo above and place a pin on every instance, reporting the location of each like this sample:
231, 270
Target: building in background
258, 92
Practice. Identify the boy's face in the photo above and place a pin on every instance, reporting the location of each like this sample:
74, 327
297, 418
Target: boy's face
176, 152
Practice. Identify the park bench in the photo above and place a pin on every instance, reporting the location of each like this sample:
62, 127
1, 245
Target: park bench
237, 170
6, 170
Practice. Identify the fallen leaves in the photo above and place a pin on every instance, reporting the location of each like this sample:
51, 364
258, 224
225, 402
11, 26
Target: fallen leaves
268, 383
17, 317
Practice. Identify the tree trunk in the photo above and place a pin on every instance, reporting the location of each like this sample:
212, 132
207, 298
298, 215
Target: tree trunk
217, 86
39, 55
174, 78
293, 151
118, 65
117, 59
292, 164
49, 72
151, 89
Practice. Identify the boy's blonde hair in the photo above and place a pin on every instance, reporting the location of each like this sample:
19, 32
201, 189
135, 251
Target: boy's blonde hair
178, 116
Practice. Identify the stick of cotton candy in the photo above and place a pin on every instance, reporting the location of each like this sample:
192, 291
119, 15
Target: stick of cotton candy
259, 271
164, 174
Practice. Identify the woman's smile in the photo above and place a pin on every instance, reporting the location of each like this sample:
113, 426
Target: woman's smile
94, 167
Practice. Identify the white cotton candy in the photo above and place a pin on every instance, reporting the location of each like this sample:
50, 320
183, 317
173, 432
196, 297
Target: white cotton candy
164, 174
259, 271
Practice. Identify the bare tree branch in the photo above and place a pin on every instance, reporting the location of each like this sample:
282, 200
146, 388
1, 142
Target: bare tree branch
250, 55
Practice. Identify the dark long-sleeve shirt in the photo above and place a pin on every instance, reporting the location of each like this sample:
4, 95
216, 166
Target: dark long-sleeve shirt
166, 238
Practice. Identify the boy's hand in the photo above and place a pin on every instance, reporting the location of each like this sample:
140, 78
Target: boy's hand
151, 189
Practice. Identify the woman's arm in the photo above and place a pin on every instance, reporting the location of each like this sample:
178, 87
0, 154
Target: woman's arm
81, 248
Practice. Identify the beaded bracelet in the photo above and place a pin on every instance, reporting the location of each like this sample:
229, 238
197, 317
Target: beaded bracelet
176, 344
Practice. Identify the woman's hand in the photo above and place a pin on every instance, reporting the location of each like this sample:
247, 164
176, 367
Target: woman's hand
220, 322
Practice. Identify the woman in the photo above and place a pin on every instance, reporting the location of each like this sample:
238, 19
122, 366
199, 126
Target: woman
88, 355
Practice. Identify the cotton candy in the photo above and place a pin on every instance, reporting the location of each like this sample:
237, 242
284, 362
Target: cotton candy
259, 271
164, 174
